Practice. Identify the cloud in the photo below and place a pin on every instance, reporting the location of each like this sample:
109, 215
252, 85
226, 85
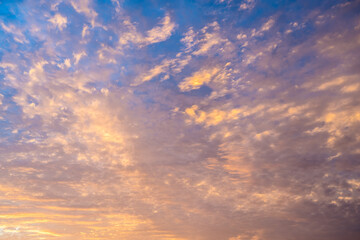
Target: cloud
83, 7
168, 67
59, 21
265, 27
162, 32
84, 31
119, 146
198, 79
78, 56
17, 33
66, 64
157, 70
247, 5
157, 34
217, 116
209, 40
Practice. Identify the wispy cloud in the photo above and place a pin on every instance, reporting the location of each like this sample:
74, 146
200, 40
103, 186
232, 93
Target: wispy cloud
158, 33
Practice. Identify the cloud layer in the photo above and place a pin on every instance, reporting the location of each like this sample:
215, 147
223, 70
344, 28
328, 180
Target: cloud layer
229, 120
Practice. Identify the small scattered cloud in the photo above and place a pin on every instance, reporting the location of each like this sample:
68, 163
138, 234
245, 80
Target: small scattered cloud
264, 28
197, 79
162, 32
247, 5
16, 32
84, 7
85, 31
59, 21
210, 39
78, 56
65, 64
157, 34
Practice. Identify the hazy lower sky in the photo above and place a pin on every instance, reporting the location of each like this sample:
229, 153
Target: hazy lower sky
180, 120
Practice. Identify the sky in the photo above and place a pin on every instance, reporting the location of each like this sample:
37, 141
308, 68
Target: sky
180, 120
